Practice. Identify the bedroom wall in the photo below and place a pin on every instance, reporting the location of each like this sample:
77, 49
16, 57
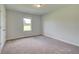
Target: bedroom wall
15, 25
63, 24
2, 26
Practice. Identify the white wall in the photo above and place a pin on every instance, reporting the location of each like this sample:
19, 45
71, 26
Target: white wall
15, 25
2, 26
63, 24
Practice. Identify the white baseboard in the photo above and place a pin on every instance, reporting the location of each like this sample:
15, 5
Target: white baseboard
61, 39
22, 37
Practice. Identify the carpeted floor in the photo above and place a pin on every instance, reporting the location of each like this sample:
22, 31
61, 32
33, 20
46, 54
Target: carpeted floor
38, 45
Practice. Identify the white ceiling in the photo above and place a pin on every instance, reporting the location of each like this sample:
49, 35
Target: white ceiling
29, 8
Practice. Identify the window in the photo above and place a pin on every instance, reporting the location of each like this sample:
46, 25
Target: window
27, 24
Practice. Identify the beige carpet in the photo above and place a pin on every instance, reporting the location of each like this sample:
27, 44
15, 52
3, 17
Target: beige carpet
39, 45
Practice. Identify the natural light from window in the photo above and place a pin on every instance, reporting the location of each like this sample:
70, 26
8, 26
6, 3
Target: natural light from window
27, 24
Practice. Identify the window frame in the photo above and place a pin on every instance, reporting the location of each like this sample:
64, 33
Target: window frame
27, 24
